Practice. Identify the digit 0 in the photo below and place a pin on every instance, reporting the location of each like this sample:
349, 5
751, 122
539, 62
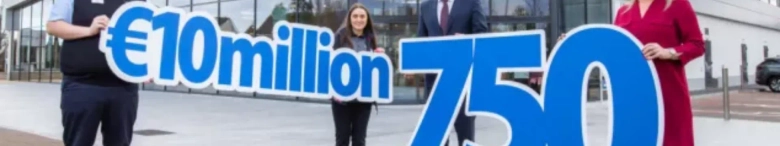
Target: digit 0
636, 115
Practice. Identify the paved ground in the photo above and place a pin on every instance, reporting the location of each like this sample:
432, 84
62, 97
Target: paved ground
747, 105
194, 119
10, 137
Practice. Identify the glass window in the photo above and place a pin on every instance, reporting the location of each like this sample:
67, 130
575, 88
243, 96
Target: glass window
16, 26
36, 15
519, 7
204, 2
213, 9
183, 4
24, 41
387, 36
391, 7
574, 13
327, 13
158, 3
238, 14
26, 17
269, 12
579, 12
393, 20
36, 40
504, 27
44, 57
209, 7
599, 11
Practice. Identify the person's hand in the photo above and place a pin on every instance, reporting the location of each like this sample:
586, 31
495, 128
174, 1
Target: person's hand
379, 50
337, 100
98, 24
655, 51
563, 35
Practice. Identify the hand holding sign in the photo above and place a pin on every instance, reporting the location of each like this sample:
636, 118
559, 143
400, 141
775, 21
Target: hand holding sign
655, 51
99, 23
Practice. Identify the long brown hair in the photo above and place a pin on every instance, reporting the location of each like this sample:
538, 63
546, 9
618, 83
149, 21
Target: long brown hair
368, 31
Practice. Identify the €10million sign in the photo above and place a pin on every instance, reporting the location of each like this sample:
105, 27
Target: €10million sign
144, 42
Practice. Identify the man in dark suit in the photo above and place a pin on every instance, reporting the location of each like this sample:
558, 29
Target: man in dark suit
452, 17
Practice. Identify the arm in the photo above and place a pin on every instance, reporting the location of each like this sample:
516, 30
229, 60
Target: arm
59, 23
685, 19
478, 19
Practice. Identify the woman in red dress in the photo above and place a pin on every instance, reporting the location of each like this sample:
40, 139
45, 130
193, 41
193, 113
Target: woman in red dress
670, 33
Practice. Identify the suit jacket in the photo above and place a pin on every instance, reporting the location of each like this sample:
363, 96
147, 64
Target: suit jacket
466, 17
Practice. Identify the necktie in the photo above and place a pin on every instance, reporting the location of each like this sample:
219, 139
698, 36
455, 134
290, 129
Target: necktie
445, 14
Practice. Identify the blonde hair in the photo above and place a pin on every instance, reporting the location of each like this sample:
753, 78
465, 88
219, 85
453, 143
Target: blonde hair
631, 2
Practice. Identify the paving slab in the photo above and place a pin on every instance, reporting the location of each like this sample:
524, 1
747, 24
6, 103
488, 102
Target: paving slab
175, 119
10, 137
746, 104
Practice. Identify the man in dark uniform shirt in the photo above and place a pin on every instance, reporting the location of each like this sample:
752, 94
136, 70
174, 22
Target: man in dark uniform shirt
91, 94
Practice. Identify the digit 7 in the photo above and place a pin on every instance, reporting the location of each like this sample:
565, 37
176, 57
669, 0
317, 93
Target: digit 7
515, 104
451, 59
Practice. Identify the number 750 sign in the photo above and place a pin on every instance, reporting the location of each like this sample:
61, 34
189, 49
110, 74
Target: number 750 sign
469, 69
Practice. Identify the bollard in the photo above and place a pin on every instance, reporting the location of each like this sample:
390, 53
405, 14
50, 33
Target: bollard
742, 77
726, 102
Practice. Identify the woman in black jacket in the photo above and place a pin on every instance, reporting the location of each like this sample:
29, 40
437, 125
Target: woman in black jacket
351, 117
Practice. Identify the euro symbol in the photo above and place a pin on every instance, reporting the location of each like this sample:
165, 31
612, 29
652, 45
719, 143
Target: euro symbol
120, 33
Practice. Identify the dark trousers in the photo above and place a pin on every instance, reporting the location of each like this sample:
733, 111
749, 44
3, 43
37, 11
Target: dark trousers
86, 106
351, 120
464, 125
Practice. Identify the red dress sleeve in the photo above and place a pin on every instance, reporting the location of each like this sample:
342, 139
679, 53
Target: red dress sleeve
687, 25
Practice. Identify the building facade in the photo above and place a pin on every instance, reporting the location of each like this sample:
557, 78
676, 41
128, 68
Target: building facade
32, 55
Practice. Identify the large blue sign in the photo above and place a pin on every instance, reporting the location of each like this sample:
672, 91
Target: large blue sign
469, 68
174, 47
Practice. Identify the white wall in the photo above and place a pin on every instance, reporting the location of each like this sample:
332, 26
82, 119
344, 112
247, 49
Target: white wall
726, 38
730, 23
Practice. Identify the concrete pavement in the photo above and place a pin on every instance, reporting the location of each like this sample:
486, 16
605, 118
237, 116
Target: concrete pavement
747, 105
10, 137
174, 119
